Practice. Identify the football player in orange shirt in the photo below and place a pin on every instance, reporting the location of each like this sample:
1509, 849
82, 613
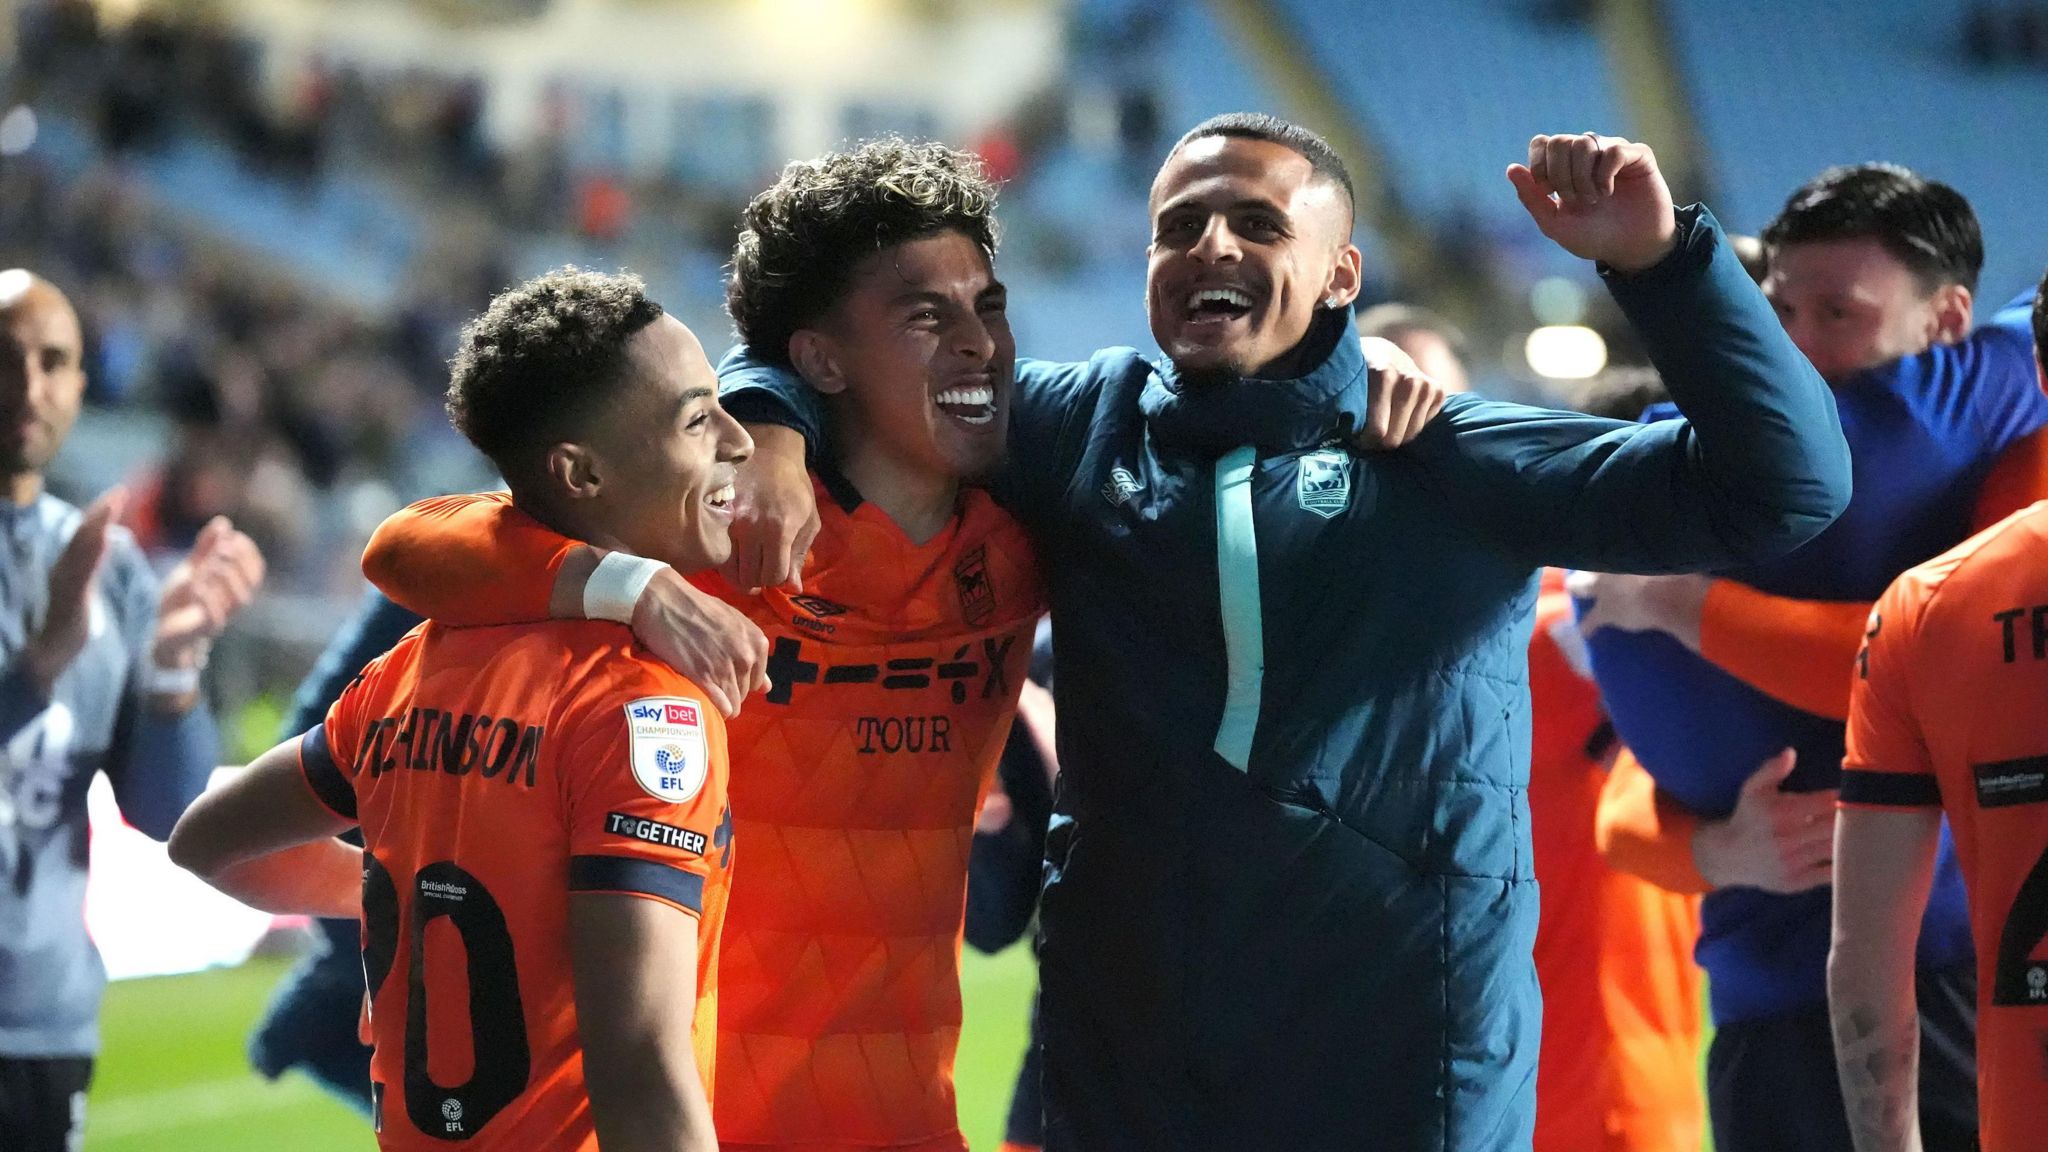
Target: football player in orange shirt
547, 839
1946, 716
1618, 1069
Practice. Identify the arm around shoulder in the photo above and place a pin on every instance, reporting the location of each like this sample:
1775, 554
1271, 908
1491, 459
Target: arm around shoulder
470, 559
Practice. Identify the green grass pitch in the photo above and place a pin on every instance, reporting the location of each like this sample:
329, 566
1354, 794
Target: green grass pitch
173, 1078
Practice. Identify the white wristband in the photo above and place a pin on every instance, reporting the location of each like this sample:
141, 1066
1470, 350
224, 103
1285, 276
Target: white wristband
615, 585
157, 681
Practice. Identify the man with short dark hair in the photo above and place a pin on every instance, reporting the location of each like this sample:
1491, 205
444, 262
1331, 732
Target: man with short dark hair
552, 791
1289, 899
1869, 263
101, 674
1732, 692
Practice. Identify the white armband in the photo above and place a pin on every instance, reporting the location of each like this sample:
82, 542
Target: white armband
615, 585
156, 680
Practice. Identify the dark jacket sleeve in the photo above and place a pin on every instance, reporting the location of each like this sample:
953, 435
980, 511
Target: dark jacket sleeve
1757, 467
1005, 868
158, 763
377, 625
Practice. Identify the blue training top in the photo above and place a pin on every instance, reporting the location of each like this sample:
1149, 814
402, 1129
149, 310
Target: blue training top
1923, 433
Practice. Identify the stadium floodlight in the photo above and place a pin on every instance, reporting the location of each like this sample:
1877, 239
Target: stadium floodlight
18, 130
1565, 352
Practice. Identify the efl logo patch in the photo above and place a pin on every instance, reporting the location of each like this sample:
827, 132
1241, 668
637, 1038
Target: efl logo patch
1323, 483
670, 759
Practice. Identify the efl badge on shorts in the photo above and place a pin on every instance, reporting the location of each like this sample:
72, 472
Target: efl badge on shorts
1323, 483
669, 755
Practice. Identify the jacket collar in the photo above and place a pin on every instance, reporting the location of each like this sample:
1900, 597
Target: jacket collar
1275, 416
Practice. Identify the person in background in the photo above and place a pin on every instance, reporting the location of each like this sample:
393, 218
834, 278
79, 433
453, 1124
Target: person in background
1731, 692
1618, 1070
1945, 716
1436, 346
99, 672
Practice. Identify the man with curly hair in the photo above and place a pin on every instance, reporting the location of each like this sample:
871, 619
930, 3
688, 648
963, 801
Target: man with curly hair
551, 790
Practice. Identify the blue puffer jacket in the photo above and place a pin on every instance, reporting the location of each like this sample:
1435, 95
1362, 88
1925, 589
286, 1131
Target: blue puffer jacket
1289, 899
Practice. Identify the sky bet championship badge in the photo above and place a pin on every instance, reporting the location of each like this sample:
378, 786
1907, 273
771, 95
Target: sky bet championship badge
669, 758
1324, 483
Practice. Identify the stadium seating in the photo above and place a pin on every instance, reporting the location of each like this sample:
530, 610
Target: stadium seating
1887, 81
1452, 90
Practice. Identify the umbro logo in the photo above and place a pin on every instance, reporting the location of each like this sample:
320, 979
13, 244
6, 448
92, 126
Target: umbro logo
1121, 487
818, 606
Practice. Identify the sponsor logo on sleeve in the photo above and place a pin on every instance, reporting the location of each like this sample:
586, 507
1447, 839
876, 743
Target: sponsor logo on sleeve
670, 758
2009, 783
654, 832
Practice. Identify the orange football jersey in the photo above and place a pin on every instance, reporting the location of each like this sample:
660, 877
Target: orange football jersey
1619, 1067
494, 772
895, 676
1949, 708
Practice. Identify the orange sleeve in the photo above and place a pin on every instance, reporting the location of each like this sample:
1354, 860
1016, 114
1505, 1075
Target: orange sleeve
644, 792
329, 753
2018, 479
1795, 651
467, 560
1798, 651
1644, 833
1887, 764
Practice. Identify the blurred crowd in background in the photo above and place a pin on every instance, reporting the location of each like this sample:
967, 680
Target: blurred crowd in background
273, 248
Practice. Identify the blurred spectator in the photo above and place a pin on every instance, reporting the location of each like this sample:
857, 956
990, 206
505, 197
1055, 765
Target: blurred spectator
1435, 344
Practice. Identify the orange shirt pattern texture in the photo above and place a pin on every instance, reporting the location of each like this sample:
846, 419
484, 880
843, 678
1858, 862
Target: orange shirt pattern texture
495, 771
896, 677
1950, 709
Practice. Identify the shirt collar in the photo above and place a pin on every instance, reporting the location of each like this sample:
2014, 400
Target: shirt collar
1274, 416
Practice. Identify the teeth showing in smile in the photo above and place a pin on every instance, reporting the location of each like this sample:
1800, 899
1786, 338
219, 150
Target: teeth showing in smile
720, 497
1231, 297
975, 405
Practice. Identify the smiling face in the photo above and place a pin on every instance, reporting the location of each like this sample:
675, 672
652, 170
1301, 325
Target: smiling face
1248, 240
42, 375
1850, 304
666, 455
919, 356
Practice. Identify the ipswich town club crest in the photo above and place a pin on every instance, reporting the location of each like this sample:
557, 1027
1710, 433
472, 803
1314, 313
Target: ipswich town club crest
1323, 483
